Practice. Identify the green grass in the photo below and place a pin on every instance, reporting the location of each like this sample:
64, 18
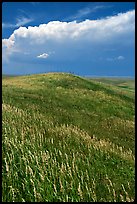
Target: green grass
6, 76
121, 83
66, 138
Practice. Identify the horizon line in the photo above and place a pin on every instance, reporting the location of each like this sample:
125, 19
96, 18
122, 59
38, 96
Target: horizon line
94, 76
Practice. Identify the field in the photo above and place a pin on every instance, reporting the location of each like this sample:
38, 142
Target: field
67, 138
123, 83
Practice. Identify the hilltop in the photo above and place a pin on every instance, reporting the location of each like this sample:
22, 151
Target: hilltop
67, 138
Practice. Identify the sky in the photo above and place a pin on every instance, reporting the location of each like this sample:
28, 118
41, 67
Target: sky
84, 38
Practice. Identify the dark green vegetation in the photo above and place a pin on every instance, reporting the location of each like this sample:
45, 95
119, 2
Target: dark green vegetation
66, 138
4, 76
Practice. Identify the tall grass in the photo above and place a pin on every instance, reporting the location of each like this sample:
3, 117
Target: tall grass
52, 151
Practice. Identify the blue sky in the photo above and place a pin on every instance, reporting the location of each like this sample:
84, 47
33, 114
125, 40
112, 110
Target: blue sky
86, 38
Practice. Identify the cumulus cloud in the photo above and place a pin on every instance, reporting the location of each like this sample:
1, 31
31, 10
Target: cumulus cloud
120, 58
66, 36
44, 55
115, 58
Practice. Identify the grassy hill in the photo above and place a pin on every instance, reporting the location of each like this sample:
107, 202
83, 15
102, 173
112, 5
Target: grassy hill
4, 76
127, 84
66, 138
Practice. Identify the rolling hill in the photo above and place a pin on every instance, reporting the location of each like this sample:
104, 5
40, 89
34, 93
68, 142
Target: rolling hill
67, 138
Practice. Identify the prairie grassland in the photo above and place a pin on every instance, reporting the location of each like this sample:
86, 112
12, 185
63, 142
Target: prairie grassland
123, 85
65, 138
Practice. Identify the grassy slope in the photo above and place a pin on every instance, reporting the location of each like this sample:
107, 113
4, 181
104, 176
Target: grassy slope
5, 76
66, 138
127, 84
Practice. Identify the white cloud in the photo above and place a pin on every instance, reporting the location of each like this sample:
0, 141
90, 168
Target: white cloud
23, 21
120, 58
8, 43
44, 55
85, 11
7, 25
20, 21
66, 36
115, 58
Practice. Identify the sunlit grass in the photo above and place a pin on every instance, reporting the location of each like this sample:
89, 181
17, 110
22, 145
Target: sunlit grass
66, 140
